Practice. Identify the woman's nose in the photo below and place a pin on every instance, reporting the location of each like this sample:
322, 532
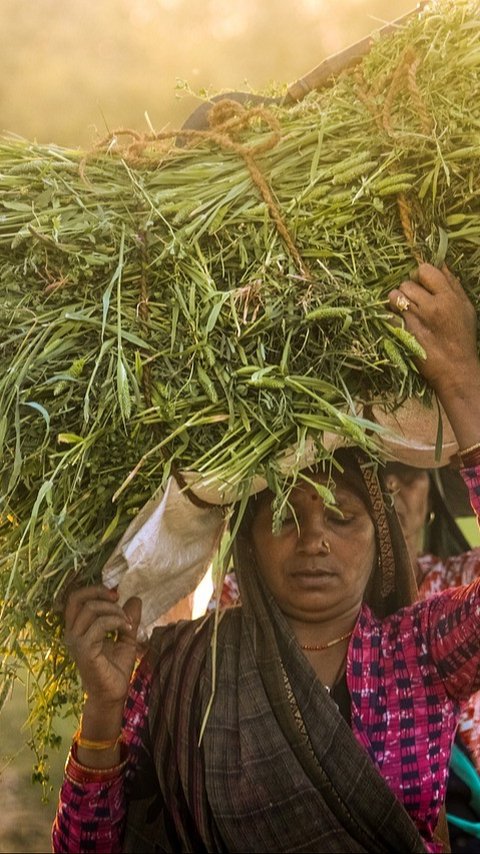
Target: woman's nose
313, 537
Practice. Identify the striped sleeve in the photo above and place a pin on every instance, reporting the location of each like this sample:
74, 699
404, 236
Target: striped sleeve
450, 622
91, 813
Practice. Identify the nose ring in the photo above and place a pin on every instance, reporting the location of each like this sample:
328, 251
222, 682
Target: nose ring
326, 546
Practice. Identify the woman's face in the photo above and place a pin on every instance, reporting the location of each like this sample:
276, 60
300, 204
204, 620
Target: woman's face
410, 488
319, 564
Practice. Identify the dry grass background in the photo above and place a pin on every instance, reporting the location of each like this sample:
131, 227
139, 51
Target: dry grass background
70, 71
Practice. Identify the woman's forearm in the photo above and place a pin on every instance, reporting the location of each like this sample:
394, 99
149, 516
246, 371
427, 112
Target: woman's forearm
460, 398
99, 735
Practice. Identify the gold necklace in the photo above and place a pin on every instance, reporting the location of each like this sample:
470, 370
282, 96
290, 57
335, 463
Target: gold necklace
318, 648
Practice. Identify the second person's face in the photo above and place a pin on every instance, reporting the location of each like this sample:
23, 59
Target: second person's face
410, 488
318, 566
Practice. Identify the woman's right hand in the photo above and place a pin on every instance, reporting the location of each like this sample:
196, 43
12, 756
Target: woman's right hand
101, 638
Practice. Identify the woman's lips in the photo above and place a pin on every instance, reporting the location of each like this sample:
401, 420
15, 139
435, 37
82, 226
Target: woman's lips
307, 578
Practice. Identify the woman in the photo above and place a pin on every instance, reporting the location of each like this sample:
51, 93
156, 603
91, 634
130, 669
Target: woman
428, 502
319, 715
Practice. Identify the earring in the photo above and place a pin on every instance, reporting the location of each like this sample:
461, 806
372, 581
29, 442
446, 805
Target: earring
326, 546
431, 517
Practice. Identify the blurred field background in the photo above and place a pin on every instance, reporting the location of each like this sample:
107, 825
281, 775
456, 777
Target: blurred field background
73, 70
70, 70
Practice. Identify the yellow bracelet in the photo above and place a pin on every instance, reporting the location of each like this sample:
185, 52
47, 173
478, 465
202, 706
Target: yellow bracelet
90, 744
475, 447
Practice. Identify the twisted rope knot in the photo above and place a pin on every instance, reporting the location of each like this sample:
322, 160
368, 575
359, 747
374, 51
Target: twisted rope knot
228, 117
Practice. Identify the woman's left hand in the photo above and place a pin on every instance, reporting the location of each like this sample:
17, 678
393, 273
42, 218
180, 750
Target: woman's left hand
439, 314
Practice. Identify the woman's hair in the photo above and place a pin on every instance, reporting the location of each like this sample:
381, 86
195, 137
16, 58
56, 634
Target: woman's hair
392, 582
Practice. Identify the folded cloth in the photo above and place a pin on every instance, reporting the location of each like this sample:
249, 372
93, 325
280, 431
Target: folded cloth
164, 553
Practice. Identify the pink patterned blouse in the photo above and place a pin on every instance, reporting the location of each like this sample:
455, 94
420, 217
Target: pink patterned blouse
407, 677
440, 575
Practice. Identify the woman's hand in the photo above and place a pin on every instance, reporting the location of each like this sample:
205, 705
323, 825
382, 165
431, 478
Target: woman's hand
439, 314
105, 662
443, 320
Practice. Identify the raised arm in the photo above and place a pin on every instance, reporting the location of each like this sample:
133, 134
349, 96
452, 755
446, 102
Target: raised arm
101, 638
437, 311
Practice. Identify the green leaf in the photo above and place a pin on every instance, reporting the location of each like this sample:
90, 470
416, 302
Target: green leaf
441, 252
41, 409
69, 438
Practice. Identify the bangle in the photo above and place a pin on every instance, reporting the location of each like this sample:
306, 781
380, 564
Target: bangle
91, 744
465, 451
77, 773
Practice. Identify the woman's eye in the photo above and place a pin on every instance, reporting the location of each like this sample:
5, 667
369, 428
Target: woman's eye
340, 519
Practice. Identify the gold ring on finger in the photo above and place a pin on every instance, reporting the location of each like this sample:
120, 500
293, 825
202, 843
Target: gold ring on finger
402, 303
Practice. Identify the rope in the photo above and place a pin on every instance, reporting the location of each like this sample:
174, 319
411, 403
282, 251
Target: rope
426, 119
407, 71
366, 96
405, 210
226, 118
394, 88
407, 68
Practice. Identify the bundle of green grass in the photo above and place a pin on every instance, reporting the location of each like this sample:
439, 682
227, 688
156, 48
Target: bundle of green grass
206, 301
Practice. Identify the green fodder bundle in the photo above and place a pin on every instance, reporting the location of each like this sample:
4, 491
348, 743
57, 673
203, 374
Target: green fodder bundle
207, 301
